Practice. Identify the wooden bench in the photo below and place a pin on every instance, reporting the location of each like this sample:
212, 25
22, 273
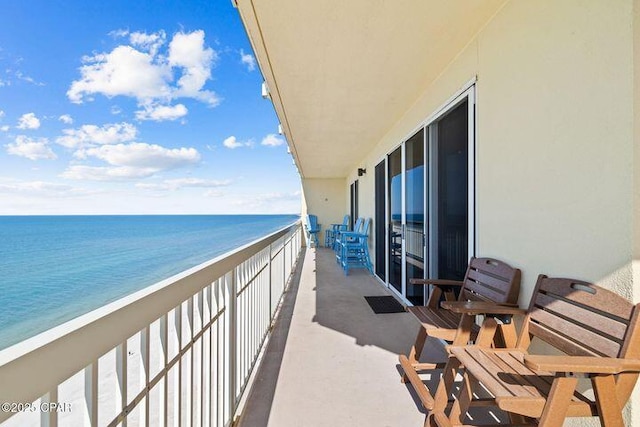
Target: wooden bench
487, 280
597, 330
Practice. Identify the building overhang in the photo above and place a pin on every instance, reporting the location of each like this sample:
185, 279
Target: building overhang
340, 74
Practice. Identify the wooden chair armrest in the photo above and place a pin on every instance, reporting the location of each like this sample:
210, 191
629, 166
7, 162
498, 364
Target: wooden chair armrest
436, 282
481, 307
581, 364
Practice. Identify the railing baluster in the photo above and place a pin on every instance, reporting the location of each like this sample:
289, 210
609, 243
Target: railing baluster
178, 391
164, 341
122, 374
231, 342
49, 418
191, 385
91, 392
201, 316
145, 348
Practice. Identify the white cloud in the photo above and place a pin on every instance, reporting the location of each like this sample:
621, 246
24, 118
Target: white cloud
42, 189
187, 51
124, 71
161, 112
213, 193
106, 173
28, 121
271, 202
119, 33
1, 113
89, 135
248, 60
148, 42
31, 148
272, 140
232, 143
66, 119
144, 156
4, 128
276, 197
21, 76
176, 184
115, 110
153, 78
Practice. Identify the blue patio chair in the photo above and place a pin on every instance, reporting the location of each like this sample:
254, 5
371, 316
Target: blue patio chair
354, 251
337, 243
313, 228
330, 235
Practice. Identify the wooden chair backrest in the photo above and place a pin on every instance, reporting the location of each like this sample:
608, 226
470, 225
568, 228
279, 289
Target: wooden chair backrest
582, 319
491, 280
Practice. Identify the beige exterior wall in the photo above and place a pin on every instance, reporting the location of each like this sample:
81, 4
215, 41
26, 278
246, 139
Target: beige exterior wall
555, 140
326, 199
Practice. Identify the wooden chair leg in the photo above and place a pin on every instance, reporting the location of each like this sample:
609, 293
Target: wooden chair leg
555, 410
609, 409
461, 404
445, 386
506, 336
418, 346
487, 334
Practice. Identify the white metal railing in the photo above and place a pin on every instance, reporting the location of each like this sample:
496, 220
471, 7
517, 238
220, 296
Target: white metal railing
178, 353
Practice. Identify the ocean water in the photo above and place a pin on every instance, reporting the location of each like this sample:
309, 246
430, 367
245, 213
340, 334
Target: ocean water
55, 268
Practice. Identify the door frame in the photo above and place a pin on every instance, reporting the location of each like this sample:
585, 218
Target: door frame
467, 92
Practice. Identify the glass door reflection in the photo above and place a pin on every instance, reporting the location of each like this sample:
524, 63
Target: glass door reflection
414, 240
395, 218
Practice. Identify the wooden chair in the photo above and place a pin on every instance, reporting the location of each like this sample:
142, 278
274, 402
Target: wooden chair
597, 330
487, 280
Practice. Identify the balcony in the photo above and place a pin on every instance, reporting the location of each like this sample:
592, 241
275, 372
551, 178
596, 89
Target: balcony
180, 352
329, 359
332, 361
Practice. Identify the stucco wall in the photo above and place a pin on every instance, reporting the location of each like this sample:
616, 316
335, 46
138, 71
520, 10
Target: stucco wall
555, 140
326, 199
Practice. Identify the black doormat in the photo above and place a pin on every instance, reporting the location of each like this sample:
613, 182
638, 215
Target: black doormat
384, 304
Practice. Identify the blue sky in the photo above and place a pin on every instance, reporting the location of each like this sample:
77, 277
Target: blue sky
122, 107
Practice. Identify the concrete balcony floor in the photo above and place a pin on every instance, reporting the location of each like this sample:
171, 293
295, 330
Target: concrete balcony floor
331, 361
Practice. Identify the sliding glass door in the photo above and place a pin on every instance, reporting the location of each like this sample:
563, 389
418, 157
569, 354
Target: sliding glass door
449, 190
425, 202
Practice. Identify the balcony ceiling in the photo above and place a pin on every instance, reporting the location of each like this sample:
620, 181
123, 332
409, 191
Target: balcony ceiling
341, 73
